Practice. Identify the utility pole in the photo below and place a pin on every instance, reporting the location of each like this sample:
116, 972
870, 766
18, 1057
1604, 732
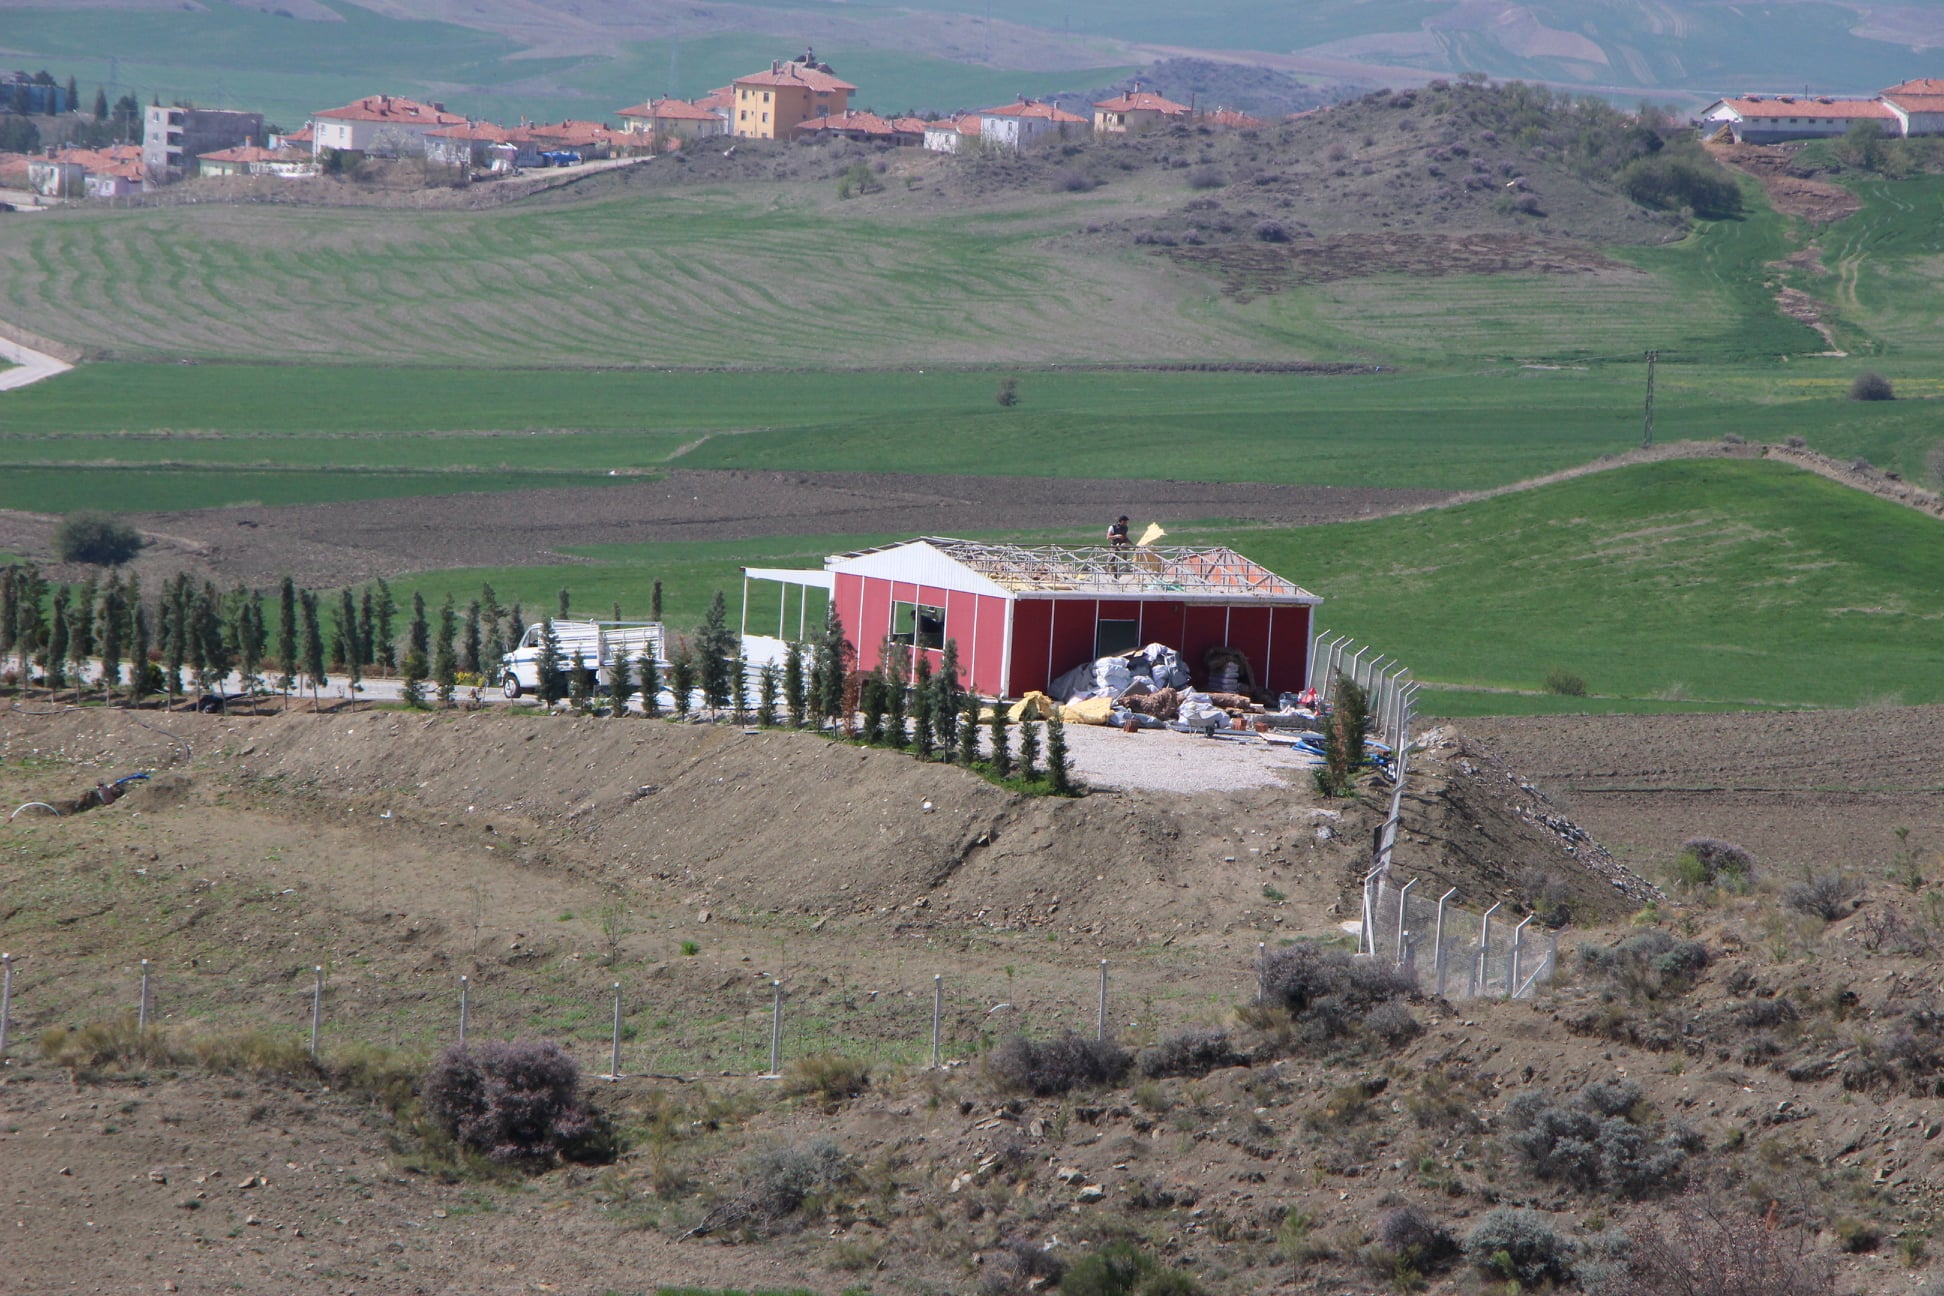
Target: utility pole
1648, 438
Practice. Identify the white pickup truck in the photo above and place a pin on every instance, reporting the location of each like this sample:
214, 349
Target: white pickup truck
595, 645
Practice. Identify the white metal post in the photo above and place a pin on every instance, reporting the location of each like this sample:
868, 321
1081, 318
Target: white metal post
1262, 971
1483, 981
1402, 896
1512, 969
1101, 1030
317, 1006
6, 997
465, 994
142, 1008
614, 1060
1437, 943
776, 1030
938, 1013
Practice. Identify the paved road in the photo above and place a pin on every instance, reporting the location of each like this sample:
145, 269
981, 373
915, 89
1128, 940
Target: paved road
33, 365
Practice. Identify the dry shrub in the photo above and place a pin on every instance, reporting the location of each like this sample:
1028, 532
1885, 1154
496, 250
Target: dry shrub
1327, 992
1712, 1248
1019, 1265
1192, 1052
830, 1076
514, 1103
1648, 965
1823, 895
1410, 1242
1056, 1066
782, 1181
1705, 861
1596, 1141
1520, 1245
1205, 177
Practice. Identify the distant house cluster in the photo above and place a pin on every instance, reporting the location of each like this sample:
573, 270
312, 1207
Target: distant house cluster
1910, 109
794, 99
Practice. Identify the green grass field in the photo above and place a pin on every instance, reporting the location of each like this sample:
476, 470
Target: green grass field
1697, 585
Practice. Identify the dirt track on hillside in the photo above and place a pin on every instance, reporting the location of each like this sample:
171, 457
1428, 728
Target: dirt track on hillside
330, 544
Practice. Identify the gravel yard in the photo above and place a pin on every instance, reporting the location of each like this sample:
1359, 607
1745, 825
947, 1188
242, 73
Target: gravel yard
1161, 760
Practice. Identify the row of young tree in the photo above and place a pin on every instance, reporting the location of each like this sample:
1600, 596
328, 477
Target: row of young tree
108, 635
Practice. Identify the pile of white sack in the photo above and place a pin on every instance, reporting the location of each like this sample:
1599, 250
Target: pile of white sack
1145, 670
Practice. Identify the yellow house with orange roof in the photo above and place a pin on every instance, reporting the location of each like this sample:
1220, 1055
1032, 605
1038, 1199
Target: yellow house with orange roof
772, 104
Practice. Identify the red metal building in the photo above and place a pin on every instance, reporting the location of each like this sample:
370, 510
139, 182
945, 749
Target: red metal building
1022, 615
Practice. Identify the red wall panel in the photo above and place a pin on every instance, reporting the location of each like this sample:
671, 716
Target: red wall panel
1204, 627
1249, 631
849, 598
873, 622
1288, 669
988, 659
1032, 632
1161, 623
1073, 636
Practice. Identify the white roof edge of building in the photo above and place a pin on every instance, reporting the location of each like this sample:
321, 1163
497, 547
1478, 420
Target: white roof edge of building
823, 580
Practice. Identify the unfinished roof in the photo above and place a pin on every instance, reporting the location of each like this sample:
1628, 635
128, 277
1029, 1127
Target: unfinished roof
1153, 571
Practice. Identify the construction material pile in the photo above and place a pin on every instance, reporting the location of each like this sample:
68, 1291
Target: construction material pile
1152, 687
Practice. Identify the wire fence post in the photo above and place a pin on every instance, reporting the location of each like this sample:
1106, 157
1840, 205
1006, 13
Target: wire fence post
938, 1013
614, 1060
1262, 971
1402, 896
1483, 980
1101, 1030
6, 997
317, 1005
776, 1030
465, 997
1437, 942
1512, 968
142, 1006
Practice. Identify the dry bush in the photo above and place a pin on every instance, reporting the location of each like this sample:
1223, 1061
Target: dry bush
1520, 1245
1192, 1052
512, 1102
830, 1076
1596, 1141
1647, 965
1707, 862
1826, 896
1205, 177
782, 1181
1409, 1243
1328, 992
1713, 1248
1058, 1065
1019, 1265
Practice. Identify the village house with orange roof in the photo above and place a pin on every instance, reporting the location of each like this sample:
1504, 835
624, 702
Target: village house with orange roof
953, 134
1136, 113
674, 119
865, 127
1908, 109
112, 172
772, 104
1017, 125
255, 160
1919, 105
380, 125
476, 145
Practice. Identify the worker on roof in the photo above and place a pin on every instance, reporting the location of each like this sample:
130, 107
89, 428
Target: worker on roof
1117, 533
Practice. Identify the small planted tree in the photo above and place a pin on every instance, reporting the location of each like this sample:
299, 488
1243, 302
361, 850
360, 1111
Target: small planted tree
387, 638
445, 661
578, 694
968, 732
834, 658
1029, 751
418, 653
1000, 758
1343, 739
681, 678
650, 675
923, 737
946, 701
767, 682
871, 703
1059, 765
313, 645
796, 693
549, 683
715, 652
622, 687
892, 668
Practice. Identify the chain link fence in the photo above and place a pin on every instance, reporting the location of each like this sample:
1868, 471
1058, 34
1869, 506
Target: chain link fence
1452, 951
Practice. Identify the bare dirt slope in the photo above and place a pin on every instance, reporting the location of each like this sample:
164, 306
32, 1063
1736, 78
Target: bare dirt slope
327, 544
548, 858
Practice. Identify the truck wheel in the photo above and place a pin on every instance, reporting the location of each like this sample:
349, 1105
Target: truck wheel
511, 686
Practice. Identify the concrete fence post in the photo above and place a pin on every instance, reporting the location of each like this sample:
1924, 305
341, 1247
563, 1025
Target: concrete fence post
1483, 980
938, 1016
1437, 943
317, 1005
465, 997
1403, 896
614, 1057
1512, 967
776, 1029
6, 998
1100, 1031
142, 1007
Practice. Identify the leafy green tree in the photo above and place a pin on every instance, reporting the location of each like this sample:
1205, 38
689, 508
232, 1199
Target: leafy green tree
681, 678
1001, 756
549, 682
355, 650
387, 639
445, 660
177, 597
252, 641
621, 685
9, 609
81, 628
418, 651
209, 645
891, 664
367, 628
563, 602
471, 640
287, 641
923, 736
113, 620
870, 701
968, 732
313, 644
946, 702
1343, 739
1059, 765
101, 104
832, 671
768, 683
796, 696
655, 604
57, 642
650, 675
1029, 751
138, 642
715, 652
